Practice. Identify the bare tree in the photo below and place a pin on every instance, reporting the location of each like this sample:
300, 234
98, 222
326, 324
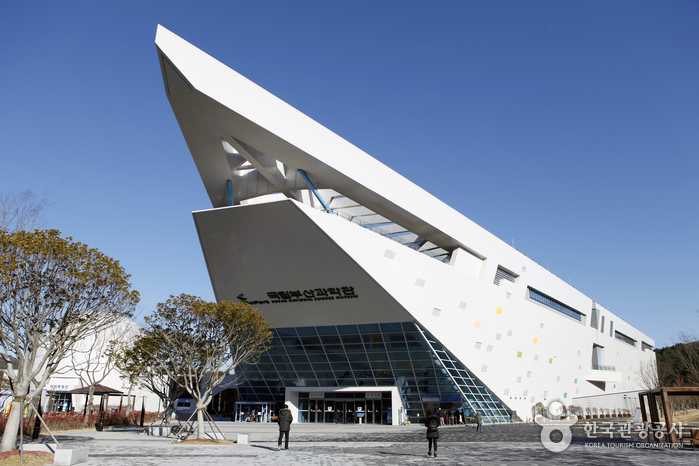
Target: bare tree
93, 358
205, 342
538, 409
688, 356
140, 363
647, 375
21, 211
575, 410
54, 292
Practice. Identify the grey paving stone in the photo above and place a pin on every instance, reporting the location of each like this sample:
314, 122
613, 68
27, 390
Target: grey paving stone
327, 445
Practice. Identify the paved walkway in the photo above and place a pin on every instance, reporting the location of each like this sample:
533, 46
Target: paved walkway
323, 444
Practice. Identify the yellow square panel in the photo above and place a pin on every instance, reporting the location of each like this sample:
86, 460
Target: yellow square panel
536, 340
499, 311
477, 324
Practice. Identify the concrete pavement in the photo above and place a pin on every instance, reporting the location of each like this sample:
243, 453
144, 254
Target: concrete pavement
329, 444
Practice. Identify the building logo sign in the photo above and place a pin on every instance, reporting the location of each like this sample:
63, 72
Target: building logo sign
373, 395
554, 411
316, 395
298, 296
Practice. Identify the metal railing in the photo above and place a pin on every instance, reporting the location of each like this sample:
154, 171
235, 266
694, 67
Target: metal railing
599, 367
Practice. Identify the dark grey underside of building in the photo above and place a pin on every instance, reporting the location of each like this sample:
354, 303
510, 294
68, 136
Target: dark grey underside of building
400, 354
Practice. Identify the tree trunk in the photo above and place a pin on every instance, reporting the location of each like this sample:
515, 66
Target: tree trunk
169, 410
200, 421
9, 438
90, 400
167, 414
129, 407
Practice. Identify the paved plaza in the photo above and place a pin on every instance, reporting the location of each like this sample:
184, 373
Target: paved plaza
329, 444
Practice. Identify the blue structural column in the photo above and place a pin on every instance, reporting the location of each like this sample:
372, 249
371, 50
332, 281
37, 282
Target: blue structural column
315, 192
229, 185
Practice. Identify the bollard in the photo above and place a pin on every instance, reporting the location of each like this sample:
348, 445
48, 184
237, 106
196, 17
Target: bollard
37, 424
100, 424
143, 411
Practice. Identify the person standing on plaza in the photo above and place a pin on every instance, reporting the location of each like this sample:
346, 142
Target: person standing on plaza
432, 423
440, 414
479, 422
284, 419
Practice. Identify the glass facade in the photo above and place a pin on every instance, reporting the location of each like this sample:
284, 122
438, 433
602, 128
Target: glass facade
399, 354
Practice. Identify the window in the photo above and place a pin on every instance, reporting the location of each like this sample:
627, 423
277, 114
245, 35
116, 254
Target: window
626, 339
646, 347
504, 274
597, 357
554, 304
593, 320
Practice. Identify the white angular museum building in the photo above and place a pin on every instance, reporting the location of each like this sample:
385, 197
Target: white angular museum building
385, 301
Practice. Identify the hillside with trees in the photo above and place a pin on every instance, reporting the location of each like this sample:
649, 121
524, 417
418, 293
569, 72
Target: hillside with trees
678, 365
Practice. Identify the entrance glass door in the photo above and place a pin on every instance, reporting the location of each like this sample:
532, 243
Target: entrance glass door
338, 408
329, 411
340, 412
373, 411
259, 412
386, 413
349, 412
315, 411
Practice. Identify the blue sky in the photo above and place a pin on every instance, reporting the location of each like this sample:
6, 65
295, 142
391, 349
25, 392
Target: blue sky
569, 129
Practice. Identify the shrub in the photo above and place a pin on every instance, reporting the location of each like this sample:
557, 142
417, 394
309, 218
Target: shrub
58, 422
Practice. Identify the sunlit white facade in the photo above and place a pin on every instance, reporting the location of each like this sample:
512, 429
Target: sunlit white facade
383, 298
86, 364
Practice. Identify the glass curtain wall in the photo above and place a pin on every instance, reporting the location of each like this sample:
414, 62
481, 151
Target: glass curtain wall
397, 354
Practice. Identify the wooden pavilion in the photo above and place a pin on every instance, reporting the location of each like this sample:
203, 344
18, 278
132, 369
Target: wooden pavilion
657, 400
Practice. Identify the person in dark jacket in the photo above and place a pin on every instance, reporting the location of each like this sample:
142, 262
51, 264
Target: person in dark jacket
432, 424
479, 422
284, 419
